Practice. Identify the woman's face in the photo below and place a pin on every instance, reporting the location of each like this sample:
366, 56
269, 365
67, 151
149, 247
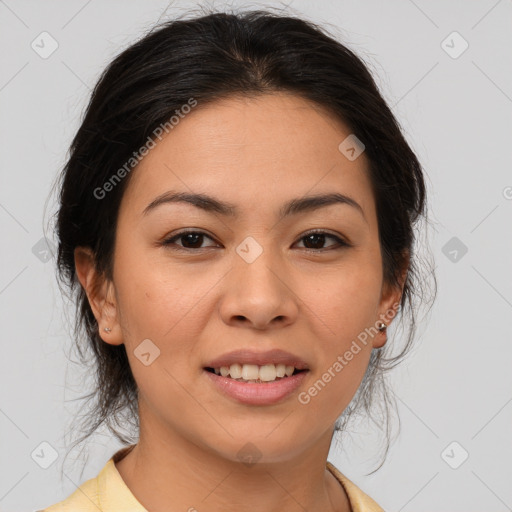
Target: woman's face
250, 280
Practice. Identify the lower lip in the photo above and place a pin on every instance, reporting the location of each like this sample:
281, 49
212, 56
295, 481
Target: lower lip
252, 393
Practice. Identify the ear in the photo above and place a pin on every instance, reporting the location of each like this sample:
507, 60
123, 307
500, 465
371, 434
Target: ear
101, 295
390, 302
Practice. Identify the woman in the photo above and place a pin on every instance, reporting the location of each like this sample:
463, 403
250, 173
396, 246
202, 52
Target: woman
236, 219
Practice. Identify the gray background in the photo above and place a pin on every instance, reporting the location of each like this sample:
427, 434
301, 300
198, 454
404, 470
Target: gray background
457, 115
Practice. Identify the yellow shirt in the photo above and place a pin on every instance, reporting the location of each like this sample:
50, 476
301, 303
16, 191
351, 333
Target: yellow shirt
107, 492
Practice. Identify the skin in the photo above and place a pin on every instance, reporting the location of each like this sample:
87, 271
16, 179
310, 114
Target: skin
201, 302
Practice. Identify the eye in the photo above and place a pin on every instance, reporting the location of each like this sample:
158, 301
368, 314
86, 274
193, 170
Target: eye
317, 238
190, 239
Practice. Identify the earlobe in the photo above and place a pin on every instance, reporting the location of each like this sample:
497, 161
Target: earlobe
381, 338
100, 294
390, 303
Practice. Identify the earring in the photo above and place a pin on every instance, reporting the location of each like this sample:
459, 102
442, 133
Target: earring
382, 326
107, 329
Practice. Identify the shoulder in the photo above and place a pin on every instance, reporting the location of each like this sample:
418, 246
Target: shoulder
359, 501
106, 492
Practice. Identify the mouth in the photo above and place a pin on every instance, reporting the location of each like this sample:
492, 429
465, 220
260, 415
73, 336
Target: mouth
256, 391
256, 378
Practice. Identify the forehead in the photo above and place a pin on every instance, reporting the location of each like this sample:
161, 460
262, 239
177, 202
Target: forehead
252, 152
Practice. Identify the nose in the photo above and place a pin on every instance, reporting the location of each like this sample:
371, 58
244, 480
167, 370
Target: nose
259, 295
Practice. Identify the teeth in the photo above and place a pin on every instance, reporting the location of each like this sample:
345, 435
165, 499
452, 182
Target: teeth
253, 372
289, 370
249, 372
235, 371
267, 372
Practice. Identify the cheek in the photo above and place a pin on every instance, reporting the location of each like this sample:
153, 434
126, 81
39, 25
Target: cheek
346, 301
344, 313
170, 309
334, 384
156, 299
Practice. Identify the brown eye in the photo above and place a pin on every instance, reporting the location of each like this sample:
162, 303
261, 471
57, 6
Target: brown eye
315, 240
193, 240
190, 240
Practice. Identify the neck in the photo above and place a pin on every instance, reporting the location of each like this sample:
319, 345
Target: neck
165, 468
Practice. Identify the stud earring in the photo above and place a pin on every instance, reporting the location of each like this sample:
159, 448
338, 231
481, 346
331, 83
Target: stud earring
107, 329
382, 326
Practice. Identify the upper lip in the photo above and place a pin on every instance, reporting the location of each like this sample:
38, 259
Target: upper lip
246, 356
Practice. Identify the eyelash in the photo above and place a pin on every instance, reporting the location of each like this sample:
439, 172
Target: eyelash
170, 241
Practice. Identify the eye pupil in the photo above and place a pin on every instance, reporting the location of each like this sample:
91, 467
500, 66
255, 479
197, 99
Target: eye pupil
315, 237
192, 239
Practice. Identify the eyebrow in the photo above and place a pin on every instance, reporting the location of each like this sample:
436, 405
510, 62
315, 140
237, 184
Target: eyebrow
292, 207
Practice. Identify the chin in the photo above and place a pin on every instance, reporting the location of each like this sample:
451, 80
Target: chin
254, 447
